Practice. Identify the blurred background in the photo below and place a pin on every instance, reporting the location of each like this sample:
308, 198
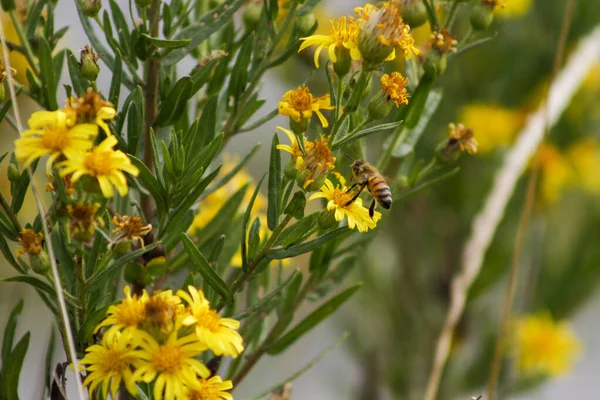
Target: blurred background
395, 319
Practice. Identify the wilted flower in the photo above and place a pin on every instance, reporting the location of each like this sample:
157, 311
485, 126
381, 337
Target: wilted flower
30, 241
436, 51
461, 139
130, 228
90, 109
83, 220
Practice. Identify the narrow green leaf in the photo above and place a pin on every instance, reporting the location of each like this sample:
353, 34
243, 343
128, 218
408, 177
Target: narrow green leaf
418, 101
179, 224
134, 129
49, 359
248, 111
245, 224
307, 7
203, 268
167, 44
59, 62
33, 19
201, 74
275, 183
8, 256
149, 181
298, 231
19, 187
40, 285
364, 133
48, 79
84, 334
174, 105
122, 31
267, 303
296, 250
115, 83
199, 31
9, 331
313, 320
80, 84
239, 74
119, 264
203, 156
11, 370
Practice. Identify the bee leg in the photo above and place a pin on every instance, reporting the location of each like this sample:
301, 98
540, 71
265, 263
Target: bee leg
372, 209
351, 188
357, 194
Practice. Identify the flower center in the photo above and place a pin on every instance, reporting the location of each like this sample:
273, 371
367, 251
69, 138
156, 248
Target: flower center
130, 313
56, 139
341, 197
99, 162
159, 312
210, 320
301, 99
319, 157
113, 361
167, 359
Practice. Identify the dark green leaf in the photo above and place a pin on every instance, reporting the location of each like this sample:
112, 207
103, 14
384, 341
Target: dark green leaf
239, 74
222, 221
296, 250
8, 254
115, 83
149, 181
84, 334
80, 84
275, 183
134, 129
313, 320
298, 231
245, 224
266, 304
364, 133
19, 187
307, 7
203, 268
49, 360
9, 331
122, 31
59, 62
48, 79
33, 18
417, 102
174, 105
167, 44
179, 224
201, 74
11, 370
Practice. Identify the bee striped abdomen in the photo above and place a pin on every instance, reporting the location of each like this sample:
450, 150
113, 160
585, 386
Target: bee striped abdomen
380, 191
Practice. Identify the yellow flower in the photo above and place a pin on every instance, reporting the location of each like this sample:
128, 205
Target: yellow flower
339, 201
544, 346
315, 164
130, 228
299, 104
394, 87
217, 333
212, 389
495, 126
464, 137
90, 109
129, 313
83, 220
161, 312
382, 31
514, 8
103, 163
584, 155
31, 242
50, 135
343, 37
111, 363
172, 365
555, 173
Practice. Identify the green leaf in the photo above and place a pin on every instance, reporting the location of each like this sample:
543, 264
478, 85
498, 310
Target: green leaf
239, 74
59, 62
201, 74
275, 183
266, 304
134, 128
298, 231
48, 80
222, 221
174, 105
202, 158
115, 83
296, 250
49, 360
84, 334
122, 31
417, 102
9, 331
149, 181
307, 7
203, 268
19, 187
11, 370
313, 320
38, 284
199, 31
8, 256
179, 224
245, 224
364, 133
33, 19
249, 110
254, 238
167, 44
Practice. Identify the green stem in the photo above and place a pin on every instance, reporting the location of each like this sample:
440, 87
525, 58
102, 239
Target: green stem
338, 98
433, 19
9, 213
432, 166
398, 138
450, 17
24, 42
82, 292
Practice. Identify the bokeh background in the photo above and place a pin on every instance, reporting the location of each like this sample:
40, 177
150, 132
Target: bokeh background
395, 319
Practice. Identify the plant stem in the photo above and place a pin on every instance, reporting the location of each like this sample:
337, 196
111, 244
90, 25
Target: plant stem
450, 17
9, 213
24, 42
82, 292
398, 138
150, 105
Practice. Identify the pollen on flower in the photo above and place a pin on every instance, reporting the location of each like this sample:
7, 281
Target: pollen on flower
30, 241
168, 358
299, 104
394, 87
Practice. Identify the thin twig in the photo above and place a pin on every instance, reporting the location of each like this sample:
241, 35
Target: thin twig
484, 226
525, 214
57, 285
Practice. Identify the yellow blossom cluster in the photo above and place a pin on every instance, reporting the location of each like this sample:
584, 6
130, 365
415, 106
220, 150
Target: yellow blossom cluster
157, 339
69, 138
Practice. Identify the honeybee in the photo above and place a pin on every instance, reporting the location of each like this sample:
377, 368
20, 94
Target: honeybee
366, 175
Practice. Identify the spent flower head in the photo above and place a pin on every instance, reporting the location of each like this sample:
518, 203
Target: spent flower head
30, 241
90, 108
130, 228
83, 220
299, 104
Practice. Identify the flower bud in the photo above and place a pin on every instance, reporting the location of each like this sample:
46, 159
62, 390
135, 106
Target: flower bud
296, 206
379, 106
307, 24
326, 219
13, 172
251, 15
90, 8
482, 15
447, 152
290, 170
40, 263
435, 63
299, 127
343, 61
415, 13
301, 177
88, 63
316, 184
7, 5
122, 247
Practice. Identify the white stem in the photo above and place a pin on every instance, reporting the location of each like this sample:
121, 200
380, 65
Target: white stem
484, 226
38, 201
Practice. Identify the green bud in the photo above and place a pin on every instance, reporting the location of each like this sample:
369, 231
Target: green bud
7, 5
447, 152
379, 106
316, 184
121, 248
326, 219
435, 63
301, 177
13, 172
415, 14
88, 63
307, 24
372, 51
290, 170
482, 16
251, 16
296, 206
90, 8
40, 263
299, 127
343, 63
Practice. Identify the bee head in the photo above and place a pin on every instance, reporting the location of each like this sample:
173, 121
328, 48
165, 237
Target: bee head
357, 166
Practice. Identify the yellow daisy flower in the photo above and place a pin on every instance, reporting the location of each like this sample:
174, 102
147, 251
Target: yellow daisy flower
312, 166
394, 88
90, 109
217, 333
172, 365
129, 313
545, 346
299, 104
343, 37
110, 363
212, 389
50, 135
30, 241
161, 311
339, 201
103, 163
